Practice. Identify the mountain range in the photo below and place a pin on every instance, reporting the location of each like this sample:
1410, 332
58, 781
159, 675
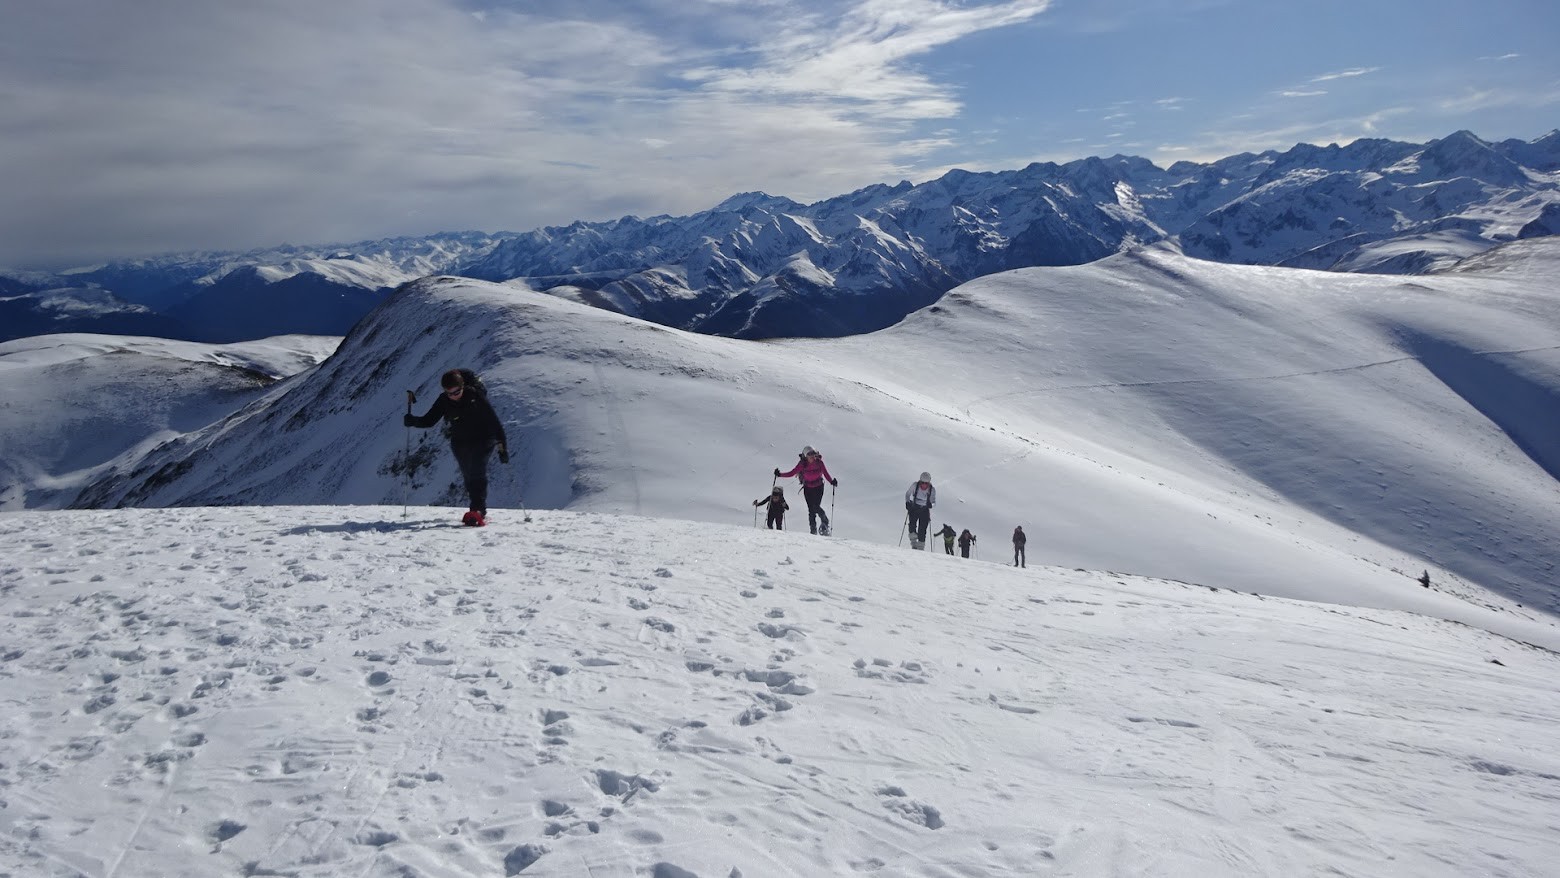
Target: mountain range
762, 266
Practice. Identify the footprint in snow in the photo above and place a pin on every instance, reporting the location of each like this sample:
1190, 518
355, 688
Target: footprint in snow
781, 632
894, 799
883, 669
1175, 723
766, 704
555, 727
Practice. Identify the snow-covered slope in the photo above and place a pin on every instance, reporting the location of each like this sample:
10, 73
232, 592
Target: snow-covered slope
73, 405
334, 691
1297, 433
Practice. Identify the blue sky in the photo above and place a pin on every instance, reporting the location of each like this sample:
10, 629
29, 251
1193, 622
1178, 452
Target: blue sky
137, 128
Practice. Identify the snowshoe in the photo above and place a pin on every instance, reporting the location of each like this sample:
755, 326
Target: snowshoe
825, 530
473, 519
916, 544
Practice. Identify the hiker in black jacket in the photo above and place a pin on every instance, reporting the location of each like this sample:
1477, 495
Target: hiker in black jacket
775, 520
474, 430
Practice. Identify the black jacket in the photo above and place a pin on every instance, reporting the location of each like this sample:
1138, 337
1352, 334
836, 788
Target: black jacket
471, 418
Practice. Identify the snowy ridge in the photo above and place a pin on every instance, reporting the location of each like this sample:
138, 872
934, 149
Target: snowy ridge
331, 691
1304, 434
77, 406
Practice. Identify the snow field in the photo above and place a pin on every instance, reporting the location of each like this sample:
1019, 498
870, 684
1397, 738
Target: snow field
322, 691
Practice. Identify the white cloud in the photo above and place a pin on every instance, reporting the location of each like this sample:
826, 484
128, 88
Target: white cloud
1218, 143
172, 124
1345, 74
859, 58
1303, 94
1485, 99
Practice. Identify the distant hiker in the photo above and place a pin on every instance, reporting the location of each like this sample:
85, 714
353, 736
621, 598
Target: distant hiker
812, 473
775, 520
965, 539
474, 431
1424, 581
947, 533
919, 501
1018, 546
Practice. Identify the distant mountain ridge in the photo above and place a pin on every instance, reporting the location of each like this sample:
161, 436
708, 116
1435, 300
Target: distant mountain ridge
761, 266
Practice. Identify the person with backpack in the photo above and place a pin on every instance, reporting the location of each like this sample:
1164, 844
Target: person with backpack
812, 473
775, 520
919, 501
966, 539
474, 430
947, 534
1018, 546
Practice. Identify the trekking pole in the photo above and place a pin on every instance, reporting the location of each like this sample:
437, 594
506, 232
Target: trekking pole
406, 460
832, 490
904, 526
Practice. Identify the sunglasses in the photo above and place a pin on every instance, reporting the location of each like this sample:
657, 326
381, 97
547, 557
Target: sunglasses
457, 390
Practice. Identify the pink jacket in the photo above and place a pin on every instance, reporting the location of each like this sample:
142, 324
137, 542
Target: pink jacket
812, 472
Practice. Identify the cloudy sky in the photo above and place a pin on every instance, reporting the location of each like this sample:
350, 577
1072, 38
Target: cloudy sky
163, 125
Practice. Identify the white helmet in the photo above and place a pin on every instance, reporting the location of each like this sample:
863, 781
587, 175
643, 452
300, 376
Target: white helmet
926, 477
807, 449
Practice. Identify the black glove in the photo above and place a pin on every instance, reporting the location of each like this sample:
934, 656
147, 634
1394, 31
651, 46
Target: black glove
777, 472
503, 454
909, 507
834, 482
406, 420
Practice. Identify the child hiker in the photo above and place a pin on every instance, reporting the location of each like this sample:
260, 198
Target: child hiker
775, 520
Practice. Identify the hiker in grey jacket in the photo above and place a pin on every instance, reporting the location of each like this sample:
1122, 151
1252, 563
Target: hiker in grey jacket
919, 500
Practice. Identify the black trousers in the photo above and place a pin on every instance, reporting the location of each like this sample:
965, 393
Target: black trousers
473, 462
775, 520
1018, 556
815, 511
920, 519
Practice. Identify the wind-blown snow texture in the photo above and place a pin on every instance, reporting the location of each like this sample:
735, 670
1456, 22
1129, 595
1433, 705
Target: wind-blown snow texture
760, 266
329, 691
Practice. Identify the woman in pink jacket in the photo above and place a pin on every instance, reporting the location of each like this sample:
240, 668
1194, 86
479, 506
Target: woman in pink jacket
811, 472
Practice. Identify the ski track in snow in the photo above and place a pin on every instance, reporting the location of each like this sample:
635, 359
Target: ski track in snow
277, 691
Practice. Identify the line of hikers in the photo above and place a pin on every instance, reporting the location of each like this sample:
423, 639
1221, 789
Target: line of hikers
920, 497
475, 432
